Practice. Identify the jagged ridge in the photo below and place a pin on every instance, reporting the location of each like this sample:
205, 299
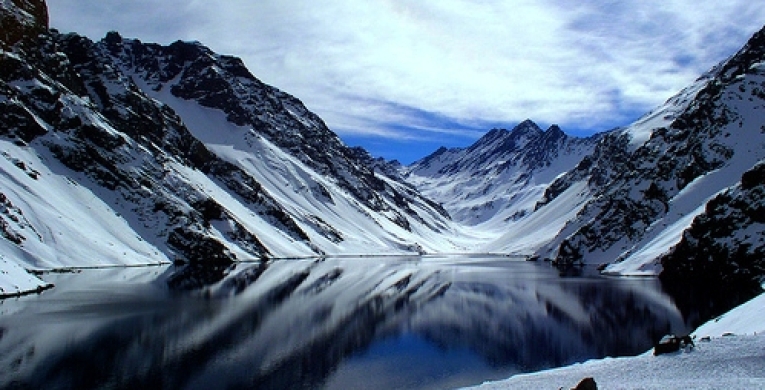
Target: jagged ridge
181, 154
499, 178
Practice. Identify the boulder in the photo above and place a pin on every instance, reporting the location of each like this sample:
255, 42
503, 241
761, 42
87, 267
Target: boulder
586, 384
671, 343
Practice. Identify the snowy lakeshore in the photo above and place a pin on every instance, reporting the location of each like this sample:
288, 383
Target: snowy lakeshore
732, 358
15, 280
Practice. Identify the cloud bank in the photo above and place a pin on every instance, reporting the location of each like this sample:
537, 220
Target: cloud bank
425, 70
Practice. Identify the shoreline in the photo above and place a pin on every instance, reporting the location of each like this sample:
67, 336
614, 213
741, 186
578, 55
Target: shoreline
729, 353
39, 290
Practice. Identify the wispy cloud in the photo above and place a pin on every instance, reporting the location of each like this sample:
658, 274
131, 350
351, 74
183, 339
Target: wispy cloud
406, 69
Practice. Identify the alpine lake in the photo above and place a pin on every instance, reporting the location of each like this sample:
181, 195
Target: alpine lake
329, 323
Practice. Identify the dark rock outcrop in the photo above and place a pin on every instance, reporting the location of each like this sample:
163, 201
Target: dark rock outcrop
586, 384
22, 22
671, 343
721, 257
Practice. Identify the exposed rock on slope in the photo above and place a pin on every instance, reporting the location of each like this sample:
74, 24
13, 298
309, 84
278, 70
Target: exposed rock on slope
120, 152
649, 180
726, 243
21, 21
192, 72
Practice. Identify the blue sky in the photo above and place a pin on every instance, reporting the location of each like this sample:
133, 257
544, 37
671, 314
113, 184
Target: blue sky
402, 78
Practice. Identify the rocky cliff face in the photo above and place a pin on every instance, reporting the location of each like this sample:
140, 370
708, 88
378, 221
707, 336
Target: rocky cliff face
719, 260
724, 248
192, 72
69, 102
21, 21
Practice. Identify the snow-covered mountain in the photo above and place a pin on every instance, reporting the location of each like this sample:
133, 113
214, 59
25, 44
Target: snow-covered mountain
627, 197
124, 152
120, 152
648, 181
498, 181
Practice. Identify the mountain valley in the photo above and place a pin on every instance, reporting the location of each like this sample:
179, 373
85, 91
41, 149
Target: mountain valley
205, 228
120, 152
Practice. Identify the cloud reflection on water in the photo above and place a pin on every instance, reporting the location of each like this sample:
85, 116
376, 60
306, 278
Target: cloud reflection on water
310, 323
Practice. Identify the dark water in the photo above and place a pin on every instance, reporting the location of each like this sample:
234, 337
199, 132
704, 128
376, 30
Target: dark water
331, 323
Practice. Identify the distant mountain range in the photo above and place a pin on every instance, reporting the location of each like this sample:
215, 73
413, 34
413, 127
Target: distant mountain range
499, 181
124, 152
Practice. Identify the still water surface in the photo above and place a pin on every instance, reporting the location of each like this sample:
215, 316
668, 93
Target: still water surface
374, 323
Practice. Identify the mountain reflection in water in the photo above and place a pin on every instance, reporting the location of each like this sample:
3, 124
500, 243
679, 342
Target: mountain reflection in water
327, 323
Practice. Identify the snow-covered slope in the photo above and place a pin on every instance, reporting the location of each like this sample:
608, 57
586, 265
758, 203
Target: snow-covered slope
119, 152
746, 319
493, 185
735, 362
646, 193
15, 280
188, 76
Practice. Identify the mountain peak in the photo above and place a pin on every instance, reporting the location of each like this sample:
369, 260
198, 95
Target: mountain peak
113, 38
527, 123
747, 59
527, 129
488, 183
553, 133
439, 151
554, 129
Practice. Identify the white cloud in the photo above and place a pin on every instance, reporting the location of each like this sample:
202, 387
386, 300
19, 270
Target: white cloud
376, 66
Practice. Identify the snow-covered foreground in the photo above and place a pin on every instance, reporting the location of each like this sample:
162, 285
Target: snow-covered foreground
733, 361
